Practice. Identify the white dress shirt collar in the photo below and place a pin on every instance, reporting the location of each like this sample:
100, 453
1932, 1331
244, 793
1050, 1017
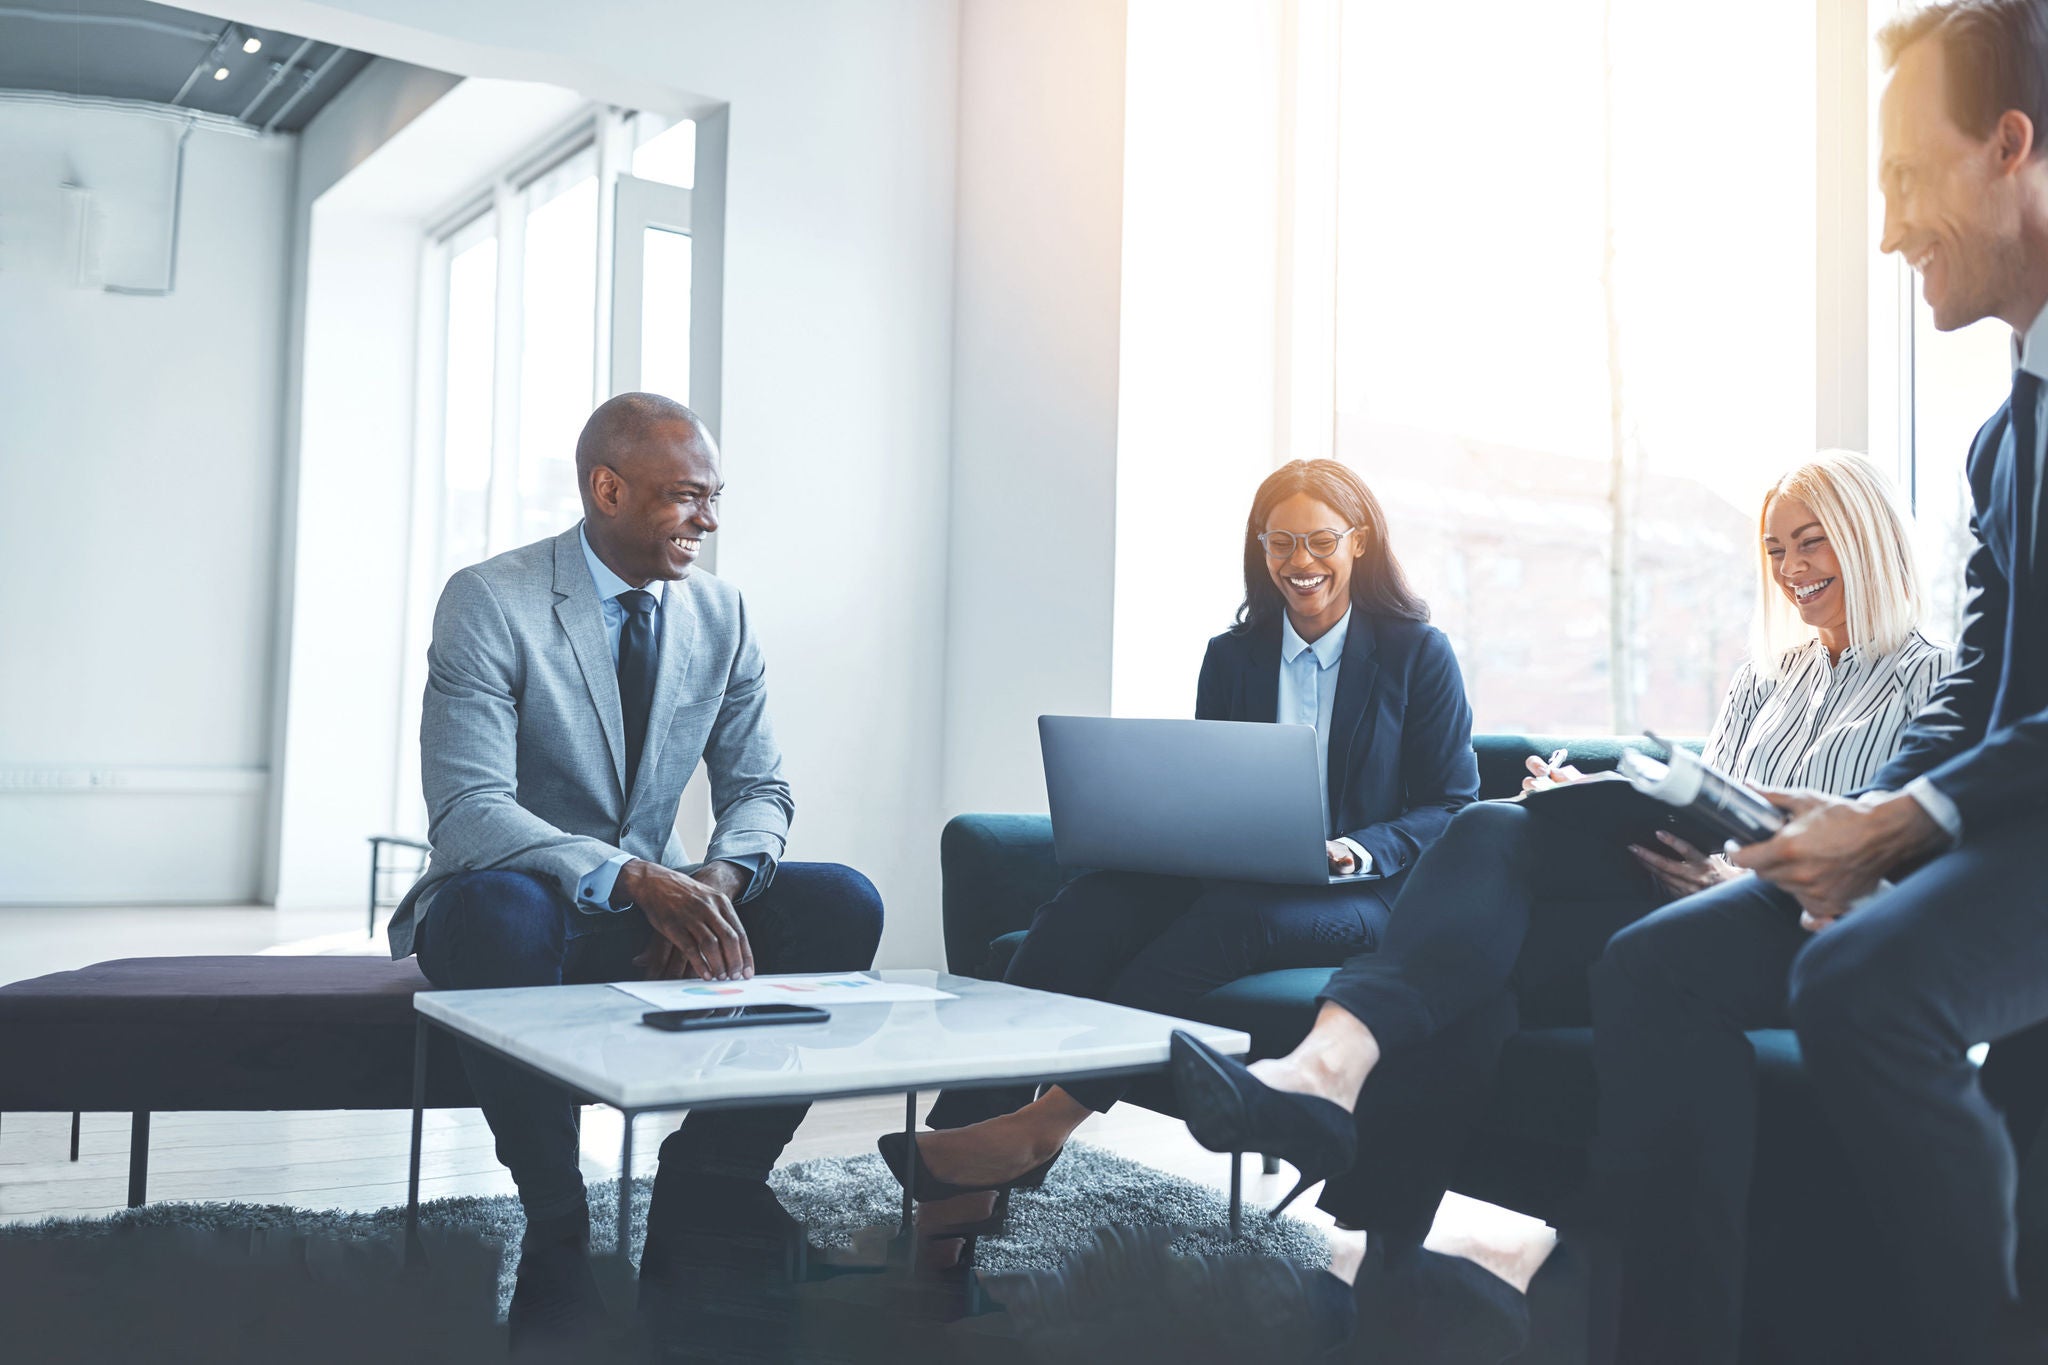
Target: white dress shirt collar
1329, 647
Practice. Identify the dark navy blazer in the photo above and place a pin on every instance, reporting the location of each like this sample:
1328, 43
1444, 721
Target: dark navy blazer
1401, 762
1982, 738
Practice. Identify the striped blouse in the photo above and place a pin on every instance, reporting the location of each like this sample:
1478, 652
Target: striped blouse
1829, 727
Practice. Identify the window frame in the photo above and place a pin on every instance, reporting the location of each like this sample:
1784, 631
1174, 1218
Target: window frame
497, 205
1864, 368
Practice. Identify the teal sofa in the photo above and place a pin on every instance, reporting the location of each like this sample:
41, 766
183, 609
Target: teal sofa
1812, 1299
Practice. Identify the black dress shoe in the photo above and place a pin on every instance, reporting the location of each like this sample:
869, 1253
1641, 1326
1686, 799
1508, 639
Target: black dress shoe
1230, 1110
901, 1155
1430, 1309
697, 1219
555, 1299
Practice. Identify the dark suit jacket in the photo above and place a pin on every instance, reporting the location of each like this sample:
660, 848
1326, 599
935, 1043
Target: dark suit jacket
1401, 761
1982, 738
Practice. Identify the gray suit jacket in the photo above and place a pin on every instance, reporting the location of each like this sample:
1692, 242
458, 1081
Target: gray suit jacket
522, 741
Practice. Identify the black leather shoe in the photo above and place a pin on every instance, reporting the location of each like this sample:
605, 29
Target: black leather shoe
1230, 1110
555, 1299
900, 1153
695, 1219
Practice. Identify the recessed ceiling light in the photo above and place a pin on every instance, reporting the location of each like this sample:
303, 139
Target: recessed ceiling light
253, 45
221, 74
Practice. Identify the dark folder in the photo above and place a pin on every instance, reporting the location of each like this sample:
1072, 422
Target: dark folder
1608, 805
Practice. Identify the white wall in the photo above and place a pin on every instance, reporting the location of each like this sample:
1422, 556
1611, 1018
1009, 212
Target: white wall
138, 486
380, 161
1033, 518
1201, 281
837, 357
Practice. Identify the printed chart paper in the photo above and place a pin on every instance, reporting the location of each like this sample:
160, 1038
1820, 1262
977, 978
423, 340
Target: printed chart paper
844, 988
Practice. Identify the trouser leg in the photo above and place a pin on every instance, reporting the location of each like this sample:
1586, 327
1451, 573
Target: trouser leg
1887, 1004
1461, 927
1456, 928
1441, 994
1231, 931
814, 917
1415, 1117
1079, 942
1672, 997
485, 930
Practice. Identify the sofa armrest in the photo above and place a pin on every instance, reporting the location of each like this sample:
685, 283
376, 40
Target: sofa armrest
995, 871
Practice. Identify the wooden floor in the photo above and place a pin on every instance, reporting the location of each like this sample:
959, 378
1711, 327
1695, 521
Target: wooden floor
357, 1160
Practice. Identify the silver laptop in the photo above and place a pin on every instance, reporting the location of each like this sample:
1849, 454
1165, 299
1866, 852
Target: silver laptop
1236, 800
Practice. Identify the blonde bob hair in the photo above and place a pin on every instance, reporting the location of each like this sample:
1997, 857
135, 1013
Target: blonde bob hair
1880, 574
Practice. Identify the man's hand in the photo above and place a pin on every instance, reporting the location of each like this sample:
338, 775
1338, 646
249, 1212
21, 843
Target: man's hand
697, 930
1343, 861
1833, 852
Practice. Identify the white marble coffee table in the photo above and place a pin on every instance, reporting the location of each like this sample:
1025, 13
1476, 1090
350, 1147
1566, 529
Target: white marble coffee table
589, 1040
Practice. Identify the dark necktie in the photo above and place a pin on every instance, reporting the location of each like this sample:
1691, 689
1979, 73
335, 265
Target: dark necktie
2026, 442
638, 654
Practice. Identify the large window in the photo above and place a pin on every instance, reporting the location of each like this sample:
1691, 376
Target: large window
1958, 380
566, 279
1570, 285
520, 338
1573, 343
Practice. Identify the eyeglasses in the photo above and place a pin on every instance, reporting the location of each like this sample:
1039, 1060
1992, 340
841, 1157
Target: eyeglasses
1321, 544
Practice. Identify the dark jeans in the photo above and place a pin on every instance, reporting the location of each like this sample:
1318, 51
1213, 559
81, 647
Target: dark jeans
1886, 1004
490, 929
1478, 944
1161, 944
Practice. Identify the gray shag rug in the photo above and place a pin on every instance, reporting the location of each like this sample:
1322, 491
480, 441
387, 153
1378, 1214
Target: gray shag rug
834, 1198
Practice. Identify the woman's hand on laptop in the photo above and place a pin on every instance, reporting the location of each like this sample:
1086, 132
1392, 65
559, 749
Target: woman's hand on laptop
1343, 861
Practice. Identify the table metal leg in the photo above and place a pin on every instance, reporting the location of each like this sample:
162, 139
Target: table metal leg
75, 1117
1236, 1195
419, 1115
138, 1159
910, 1160
625, 1239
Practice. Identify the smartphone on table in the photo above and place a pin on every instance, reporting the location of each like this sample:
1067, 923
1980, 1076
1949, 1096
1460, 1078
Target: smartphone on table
733, 1016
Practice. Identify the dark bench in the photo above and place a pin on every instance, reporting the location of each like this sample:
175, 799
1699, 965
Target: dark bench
155, 1034
1808, 1225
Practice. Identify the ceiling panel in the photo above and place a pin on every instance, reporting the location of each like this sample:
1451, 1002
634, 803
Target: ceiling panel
131, 49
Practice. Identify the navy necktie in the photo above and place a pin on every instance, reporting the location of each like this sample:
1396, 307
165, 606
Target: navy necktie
638, 654
2026, 449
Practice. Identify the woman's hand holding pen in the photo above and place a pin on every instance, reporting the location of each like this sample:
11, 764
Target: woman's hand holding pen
1542, 774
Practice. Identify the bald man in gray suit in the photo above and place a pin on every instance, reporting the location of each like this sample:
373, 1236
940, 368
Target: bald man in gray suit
573, 686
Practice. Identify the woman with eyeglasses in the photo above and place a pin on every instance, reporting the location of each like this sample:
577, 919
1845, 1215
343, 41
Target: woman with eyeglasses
1331, 636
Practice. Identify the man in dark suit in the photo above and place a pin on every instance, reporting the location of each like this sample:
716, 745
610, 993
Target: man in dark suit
1898, 929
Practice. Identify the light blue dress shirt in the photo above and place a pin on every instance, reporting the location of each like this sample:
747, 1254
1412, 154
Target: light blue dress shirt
1308, 696
594, 891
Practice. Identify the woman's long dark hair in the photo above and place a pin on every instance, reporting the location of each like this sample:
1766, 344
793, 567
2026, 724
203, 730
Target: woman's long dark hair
1377, 583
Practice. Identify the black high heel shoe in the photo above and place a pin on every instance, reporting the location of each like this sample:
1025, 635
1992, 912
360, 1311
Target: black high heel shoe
900, 1153
1230, 1110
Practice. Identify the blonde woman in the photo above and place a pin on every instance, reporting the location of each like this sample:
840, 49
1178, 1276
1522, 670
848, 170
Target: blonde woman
1839, 667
